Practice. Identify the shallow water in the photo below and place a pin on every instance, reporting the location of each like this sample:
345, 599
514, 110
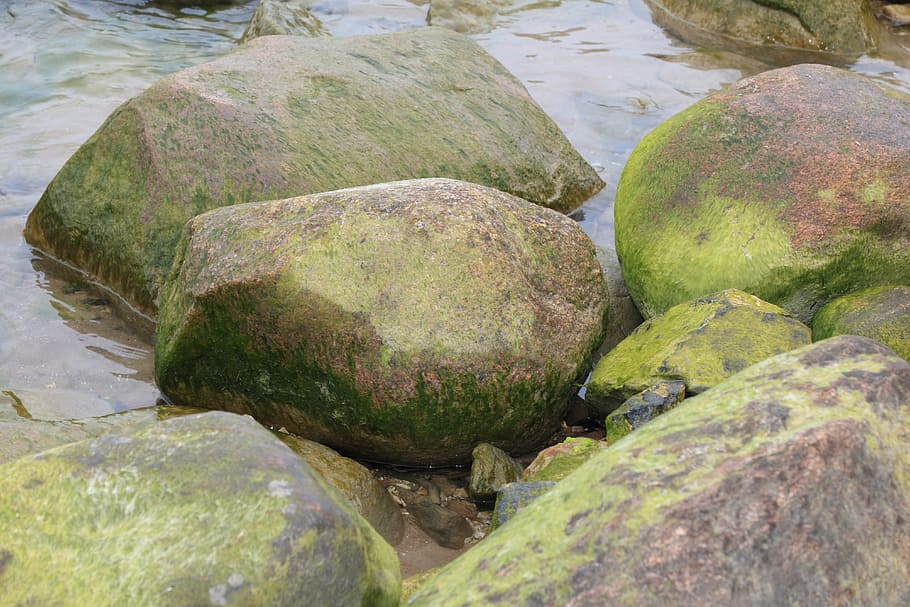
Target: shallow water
601, 68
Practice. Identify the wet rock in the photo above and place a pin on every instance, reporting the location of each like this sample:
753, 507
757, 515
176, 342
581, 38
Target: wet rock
623, 316
446, 527
791, 185
402, 322
466, 16
701, 342
642, 408
285, 116
897, 14
719, 501
491, 468
513, 497
557, 462
880, 313
355, 482
277, 17
841, 26
207, 509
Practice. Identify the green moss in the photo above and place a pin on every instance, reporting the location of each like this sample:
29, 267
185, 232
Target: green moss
600, 514
557, 462
880, 313
83, 522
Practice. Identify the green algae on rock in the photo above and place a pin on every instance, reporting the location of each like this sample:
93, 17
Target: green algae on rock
207, 509
701, 342
403, 322
790, 185
880, 313
642, 408
491, 468
557, 462
719, 501
841, 26
355, 482
286, 116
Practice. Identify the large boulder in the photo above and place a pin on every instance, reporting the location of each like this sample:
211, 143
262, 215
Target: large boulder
841, 26
286, 116
207, 509
701, 342
791, 185
880, 313
788, 484
403, 322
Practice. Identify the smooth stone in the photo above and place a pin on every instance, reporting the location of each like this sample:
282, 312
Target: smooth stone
491, 468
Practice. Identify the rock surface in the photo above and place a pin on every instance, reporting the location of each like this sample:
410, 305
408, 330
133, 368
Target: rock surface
841, 26
402, 322
207, 509
283, 17
642, 408
791, 185
722, 500
514, 497
491, 468
557, 462
880, 313
355, 482
701, 342
285, 116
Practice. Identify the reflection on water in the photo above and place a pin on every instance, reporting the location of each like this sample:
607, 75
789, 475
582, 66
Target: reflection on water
602, 69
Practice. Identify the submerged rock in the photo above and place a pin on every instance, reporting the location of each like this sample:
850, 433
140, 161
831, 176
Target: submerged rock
880, 313
402, 322
285, 116
279, 17
207, 509
355, 482
787, 484
701, 342
841, 26
466, 16
791, 185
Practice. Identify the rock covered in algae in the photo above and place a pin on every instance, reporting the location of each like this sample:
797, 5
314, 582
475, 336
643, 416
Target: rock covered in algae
791, 185
787, 484
701, 342
841, 26
642, 408
491, 468
880, 313
207, 509
285, 116
557, 462
354, 481
403, 322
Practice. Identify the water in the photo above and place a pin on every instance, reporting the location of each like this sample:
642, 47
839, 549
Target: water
601, 68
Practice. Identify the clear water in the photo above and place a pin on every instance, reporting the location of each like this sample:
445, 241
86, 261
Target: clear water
601, 68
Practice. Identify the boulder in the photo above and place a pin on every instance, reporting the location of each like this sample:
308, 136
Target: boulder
206, 509
787, 484
840, 26
402, 322
642, 408
791, 185
355, 482
286, 116
283, 17
491, 468
514, 497
880, 313
701, 342
557, 462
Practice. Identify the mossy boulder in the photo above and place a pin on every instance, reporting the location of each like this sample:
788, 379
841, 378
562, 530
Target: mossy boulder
880, 313
841, 26
207, 509
283, 17
286, 116
354, 481
701, 342
791, 185
403, 322
723, 500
